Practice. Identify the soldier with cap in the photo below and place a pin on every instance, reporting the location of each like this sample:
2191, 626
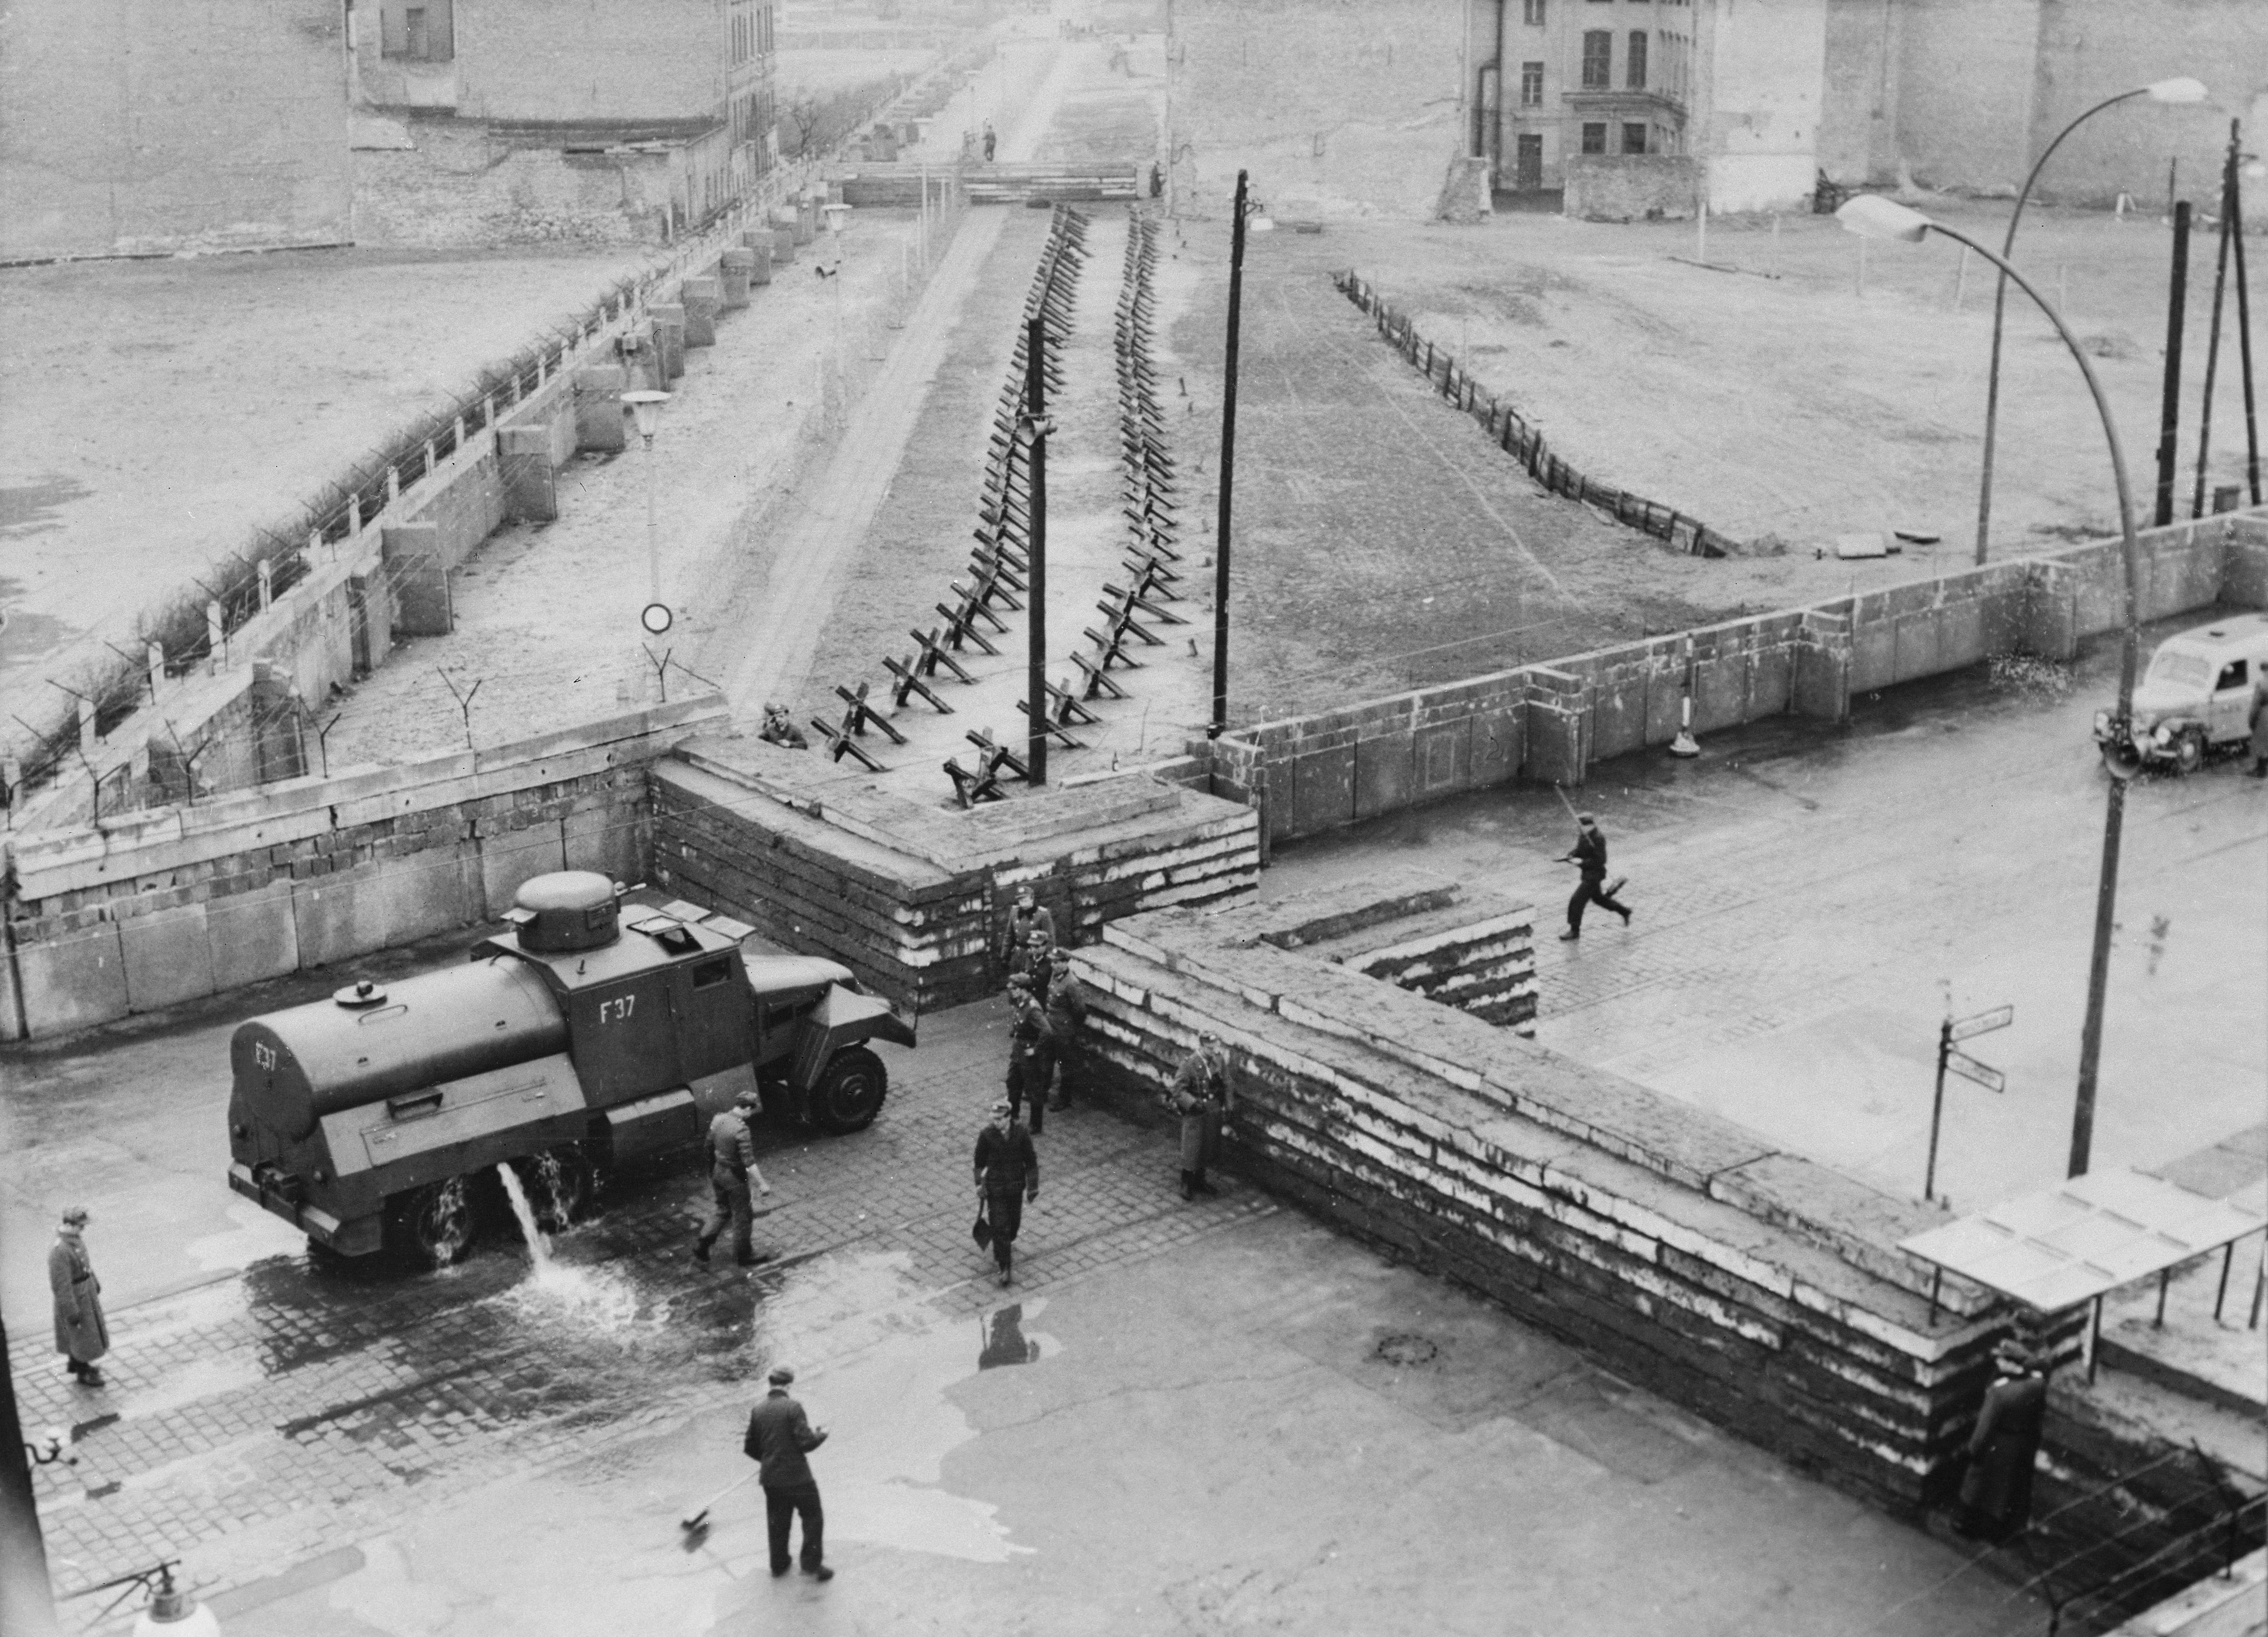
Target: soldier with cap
1007, 1175
1202, 1095
82, 1336
1996, 1492
732, 1173
1027, 916
780, 729
780, 1435
1589, 856
1030, 1051
1066, 1005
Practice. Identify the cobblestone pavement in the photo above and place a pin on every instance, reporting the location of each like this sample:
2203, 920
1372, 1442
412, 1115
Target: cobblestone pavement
315, 1404
1808, 903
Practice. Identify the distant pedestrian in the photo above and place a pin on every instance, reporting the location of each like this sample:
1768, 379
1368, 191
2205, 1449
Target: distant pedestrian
2260, 733
1157, 180
82, 1335
780, 729
1589, 856
780, 1435
1202, 1095
1007, 1175
732, 1173
1028, 914
1029, 1056
1066, 1005
1996, 1492
991, 142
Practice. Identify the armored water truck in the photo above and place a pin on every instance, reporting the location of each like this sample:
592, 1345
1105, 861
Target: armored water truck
571, 1045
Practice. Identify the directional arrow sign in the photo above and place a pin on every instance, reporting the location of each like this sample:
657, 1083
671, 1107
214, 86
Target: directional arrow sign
1983, 1023
1968, 1068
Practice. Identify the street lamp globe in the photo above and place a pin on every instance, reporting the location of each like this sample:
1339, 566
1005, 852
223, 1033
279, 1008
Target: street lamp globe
1871, 216
646, 406
2182, 88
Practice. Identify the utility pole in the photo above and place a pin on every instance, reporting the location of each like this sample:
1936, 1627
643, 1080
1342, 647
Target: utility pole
2170, 416
1036, 452
1227, 473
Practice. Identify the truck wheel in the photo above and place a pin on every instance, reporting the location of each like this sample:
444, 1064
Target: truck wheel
436, 1224
849, 1093
560, 1183
2189, 752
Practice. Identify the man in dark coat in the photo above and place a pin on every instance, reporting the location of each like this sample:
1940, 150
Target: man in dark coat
82, 1334
1035, 963
1007, 1175
1029, 913
1589, 856
732, 1172
1996, 1492
780, 1435
2260, 733
1203, 1097
1030, 1051
1066, 1020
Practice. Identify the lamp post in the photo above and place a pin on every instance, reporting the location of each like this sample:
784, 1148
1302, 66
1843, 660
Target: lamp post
1874, 216
646, 406
2169, 91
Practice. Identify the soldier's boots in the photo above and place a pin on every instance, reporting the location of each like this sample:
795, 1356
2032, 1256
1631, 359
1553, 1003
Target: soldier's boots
1188, 1186
1197, 1180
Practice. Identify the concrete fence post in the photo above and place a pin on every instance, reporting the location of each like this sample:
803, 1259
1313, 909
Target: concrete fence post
735, 268
154, 657
1821, 684
393, 484
669, 341
1559, 730
354, 513
87, 742
215, 638
759, 243
700, 298
597, 390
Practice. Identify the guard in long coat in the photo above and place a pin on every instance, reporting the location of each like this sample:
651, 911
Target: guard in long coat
1996, 1492
2260, 733
82, 1335
1202, 1095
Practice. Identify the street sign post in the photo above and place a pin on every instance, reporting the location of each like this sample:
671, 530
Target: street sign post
1968, 1067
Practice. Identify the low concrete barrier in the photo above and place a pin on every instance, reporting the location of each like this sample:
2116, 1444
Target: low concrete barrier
165, 904
1552, 721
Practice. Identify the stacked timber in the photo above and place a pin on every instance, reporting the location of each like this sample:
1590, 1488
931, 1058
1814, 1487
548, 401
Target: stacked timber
914, 898
1763, 1291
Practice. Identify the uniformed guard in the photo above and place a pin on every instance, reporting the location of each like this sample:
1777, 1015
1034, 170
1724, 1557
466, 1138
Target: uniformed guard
1028, 914
1067, 1022
1034, 964
1202, 1095
1030, 1056
732, 1173
1007, 1175
2004, 1447
82, 1335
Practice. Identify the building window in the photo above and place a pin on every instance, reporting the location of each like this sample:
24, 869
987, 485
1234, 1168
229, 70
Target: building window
1634, 69
1531, 12
1594, 138
421, 32
1633, 139
1598, 60
1531, 84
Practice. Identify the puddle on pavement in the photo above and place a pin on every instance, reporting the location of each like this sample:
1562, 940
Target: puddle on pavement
256, 1236
205, 1378
876, 1368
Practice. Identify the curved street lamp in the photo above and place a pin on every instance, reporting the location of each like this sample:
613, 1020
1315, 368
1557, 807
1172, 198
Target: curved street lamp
1872, 216
2170, 91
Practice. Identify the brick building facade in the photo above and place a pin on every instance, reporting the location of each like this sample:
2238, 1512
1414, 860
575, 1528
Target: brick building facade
149, 127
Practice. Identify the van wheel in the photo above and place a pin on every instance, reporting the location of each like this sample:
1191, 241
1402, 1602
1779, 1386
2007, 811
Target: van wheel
2189, 752
850, 1093
436, 1224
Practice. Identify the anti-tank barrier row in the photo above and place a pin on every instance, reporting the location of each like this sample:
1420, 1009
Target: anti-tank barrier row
1513, 433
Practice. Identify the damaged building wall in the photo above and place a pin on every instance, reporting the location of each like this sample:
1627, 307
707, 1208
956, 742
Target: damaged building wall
153, 127
1338, 107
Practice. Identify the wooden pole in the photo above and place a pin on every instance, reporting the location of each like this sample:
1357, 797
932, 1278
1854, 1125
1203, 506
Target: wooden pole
1220, 581
2212, 332
2169, 411
1036, 689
